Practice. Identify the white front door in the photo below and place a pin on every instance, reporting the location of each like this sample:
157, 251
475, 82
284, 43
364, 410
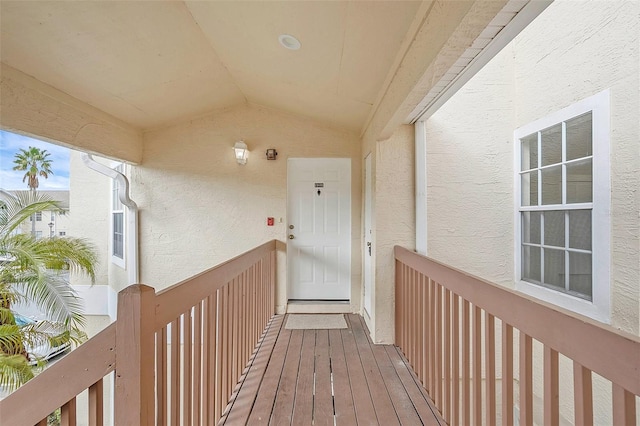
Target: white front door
319, 228
368, 240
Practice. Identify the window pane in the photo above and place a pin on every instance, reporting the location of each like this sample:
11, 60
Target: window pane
531, 227
554, 228
530, 189
580, 276
118, 235
552, 145
579, 182
531, 264
554, 267
529, 152
580, 229
579, 137
552, 185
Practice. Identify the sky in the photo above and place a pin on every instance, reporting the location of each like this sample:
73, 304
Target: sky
10, 179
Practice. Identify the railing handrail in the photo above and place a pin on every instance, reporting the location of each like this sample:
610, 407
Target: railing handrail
592, 344
78, 370
170, 302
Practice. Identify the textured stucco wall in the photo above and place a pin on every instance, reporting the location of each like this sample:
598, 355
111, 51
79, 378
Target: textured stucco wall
394, 220
603, 49
549, 66
469, 176
198, 207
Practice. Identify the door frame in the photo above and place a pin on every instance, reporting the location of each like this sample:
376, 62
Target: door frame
367, 260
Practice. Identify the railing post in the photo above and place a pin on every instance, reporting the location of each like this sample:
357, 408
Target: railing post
272, 284
134, 393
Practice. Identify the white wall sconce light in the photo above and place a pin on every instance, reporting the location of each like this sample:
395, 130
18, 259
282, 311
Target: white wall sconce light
240, 148
272, 154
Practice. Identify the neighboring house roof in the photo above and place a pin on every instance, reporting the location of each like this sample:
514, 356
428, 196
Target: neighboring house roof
61, 197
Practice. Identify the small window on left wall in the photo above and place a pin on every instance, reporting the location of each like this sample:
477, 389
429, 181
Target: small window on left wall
117, 222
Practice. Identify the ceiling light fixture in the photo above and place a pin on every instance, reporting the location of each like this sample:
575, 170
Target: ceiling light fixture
289, 42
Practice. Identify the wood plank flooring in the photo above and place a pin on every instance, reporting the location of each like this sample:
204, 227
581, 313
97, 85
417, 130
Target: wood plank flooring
328, 377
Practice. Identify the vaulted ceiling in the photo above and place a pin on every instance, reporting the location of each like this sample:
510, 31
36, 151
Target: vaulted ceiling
153, 63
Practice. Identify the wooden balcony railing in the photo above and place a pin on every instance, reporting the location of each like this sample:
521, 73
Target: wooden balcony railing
176, 355
446, 323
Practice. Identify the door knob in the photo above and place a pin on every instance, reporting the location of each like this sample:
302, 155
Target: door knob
291, 237
291, 226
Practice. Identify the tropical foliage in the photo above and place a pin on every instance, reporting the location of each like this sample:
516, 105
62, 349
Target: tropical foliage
34, 270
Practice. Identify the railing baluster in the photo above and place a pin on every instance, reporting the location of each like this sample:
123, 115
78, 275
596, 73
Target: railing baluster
476, 360
466, 363
507, 374
446, 406
624, 406
417, 324
551, 388
207, 369
96, 403
197, 363
187, 368
439, 325
490, 367
161, 376
175, 372
68, 413
224, 342
583, 395
424, 345
433, 342
212, 326
455, 351
526, 380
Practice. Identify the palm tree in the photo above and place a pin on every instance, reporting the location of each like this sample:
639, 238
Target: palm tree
34, 162
30, 270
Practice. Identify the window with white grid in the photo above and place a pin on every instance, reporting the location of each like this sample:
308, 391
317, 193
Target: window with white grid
117, 222
562, 207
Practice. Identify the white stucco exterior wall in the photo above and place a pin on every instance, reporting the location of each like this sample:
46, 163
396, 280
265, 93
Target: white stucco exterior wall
550, 65
198, 207
90, 196
89, 213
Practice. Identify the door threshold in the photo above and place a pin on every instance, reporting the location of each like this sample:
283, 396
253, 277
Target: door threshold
319, 307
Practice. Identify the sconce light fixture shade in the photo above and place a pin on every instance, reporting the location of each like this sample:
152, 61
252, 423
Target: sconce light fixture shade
272, 154
241, 151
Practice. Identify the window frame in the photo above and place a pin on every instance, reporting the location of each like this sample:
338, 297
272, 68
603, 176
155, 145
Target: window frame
117, 208
599, 307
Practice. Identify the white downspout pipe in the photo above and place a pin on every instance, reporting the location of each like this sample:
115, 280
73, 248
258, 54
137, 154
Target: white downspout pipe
132, 215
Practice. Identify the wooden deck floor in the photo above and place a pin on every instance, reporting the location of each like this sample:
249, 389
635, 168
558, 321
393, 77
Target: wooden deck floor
327, 377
